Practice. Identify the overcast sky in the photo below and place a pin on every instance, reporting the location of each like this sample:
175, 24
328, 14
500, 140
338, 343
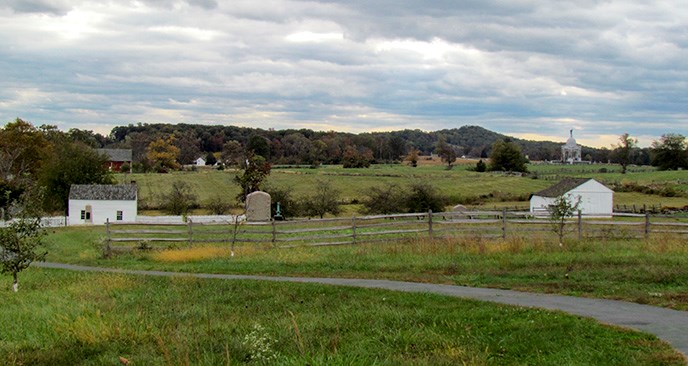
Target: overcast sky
532, 69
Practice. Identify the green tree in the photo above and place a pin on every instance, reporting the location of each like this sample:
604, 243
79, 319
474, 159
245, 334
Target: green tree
23, 151
623, 151
480, 166
670, 152
563, 208
180, 199
323, 199
507, 156
72, 163
253, 172
21, 240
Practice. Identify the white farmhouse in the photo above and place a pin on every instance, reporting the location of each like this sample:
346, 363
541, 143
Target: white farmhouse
200, 162
596, 199
96, 203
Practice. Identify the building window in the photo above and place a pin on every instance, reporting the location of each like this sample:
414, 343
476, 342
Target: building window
83, 214
119, 215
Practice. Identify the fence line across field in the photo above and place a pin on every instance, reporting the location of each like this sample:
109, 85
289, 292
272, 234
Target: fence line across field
367, 229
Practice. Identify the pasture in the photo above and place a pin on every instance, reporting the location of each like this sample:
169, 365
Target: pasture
460, 185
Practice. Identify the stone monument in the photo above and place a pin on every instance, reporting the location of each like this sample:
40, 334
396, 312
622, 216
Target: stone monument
258, 206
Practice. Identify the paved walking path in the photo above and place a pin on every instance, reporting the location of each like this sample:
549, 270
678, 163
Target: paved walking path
669, 325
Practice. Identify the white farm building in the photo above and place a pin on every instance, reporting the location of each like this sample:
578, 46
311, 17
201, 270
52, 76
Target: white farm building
97, 203
595, 198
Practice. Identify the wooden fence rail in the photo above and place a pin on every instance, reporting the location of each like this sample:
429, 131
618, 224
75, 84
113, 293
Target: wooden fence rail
353, 230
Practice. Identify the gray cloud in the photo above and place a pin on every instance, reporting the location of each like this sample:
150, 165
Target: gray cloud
602, 67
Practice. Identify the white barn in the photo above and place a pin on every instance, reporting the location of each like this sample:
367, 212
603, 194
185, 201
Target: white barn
97, 203
595, 198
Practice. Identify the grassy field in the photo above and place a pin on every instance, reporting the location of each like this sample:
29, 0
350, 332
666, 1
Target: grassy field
653, 271
459, 184
66, 318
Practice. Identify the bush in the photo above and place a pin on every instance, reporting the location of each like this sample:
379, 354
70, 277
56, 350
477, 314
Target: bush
218, 205
323, 200
423, 197
385, 199
289, 207
180, 199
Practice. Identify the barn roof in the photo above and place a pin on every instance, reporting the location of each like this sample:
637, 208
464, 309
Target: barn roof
562, 187
116, 154
105, 192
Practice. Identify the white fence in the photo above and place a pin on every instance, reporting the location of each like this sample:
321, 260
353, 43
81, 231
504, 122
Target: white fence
197, 219
56, 221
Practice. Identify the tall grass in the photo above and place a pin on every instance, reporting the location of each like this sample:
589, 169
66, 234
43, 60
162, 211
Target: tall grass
649, 271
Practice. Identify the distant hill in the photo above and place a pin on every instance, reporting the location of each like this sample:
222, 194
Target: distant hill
301, 146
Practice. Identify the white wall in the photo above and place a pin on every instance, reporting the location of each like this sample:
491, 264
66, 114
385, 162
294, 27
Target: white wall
101, 211
595, 200
539, 204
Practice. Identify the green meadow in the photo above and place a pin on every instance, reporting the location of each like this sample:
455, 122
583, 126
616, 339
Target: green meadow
460, 185
66, 318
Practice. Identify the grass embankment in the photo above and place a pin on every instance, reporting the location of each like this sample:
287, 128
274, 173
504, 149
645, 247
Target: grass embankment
653, 271
66, 318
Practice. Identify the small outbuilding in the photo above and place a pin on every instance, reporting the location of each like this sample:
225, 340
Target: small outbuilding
200, 162
596, 199
97, 203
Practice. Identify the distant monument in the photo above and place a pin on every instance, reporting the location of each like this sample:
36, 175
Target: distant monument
571, 152
258, 206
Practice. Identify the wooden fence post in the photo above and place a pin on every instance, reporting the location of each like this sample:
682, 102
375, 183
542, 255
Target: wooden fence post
580, 225
190, 224
430, 224
108, 237
504, 223
353, 229
647, 224
274, 233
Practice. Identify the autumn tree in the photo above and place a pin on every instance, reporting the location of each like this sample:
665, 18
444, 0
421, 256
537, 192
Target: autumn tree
232, 152
445, 151
623, 150
670, 152
412, 157
254, 170
162, 153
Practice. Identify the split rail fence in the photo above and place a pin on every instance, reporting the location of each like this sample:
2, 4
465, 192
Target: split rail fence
369, 229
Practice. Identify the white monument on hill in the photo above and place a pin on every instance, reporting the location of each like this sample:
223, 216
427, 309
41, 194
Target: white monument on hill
571, 152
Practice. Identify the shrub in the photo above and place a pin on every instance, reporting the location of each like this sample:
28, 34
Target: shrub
385, 199
180, 199
423, 197
218, 205
323, 200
